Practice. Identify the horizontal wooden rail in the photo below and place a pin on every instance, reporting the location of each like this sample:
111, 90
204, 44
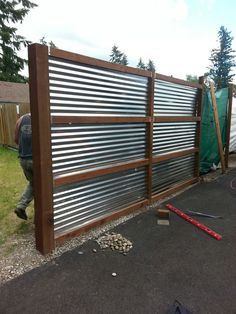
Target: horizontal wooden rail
176, 119
62, 54
174, 189
75, 177
79, 119
167, 156
177, 81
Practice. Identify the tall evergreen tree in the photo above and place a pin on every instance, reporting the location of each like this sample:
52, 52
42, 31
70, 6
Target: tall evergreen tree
43, 41
11, 64
222, 59
141, 64
192, 78
117, 56
150, 66
124, 59
50, 44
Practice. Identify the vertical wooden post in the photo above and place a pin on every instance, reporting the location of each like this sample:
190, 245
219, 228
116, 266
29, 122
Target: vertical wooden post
199, 124
229, 114
217, 124
151, 83
42, 156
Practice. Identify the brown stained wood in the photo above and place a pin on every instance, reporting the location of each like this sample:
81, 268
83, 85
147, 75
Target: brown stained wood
80, 176
168, 156
60, 238
86, 119
42, 156
199, 125
176, 119
217, 124
177, 81
174, 189
229, 114
62, 54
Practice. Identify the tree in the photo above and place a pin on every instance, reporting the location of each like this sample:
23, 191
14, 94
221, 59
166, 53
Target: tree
124, 60
150, 66
222, 59
117, 56
43, 41
50, 44
192, 78
11, 64
141, 64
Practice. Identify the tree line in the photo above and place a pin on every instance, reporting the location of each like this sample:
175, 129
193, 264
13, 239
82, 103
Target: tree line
119, 57
222, 58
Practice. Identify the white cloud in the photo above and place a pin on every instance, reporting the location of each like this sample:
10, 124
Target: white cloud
160, 30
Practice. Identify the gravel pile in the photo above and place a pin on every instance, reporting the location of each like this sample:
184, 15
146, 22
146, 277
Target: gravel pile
18, 255
115, 241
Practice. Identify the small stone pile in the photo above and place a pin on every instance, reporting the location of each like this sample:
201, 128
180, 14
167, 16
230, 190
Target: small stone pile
115, 241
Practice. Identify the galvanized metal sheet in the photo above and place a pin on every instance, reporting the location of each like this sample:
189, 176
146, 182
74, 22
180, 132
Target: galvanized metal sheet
174, 99
82, 90
78, 204
169, 173
173, 136
94, 146
77, 89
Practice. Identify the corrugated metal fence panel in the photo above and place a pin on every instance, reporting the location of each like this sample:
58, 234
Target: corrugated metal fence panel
78, 89
84, 146
168, 173
93, 199
174, 99
173, 136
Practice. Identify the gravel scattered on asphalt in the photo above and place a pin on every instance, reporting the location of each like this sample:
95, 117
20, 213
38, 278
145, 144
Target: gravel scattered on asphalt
19, 255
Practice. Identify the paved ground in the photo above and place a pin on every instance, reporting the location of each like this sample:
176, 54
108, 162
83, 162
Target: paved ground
166, 263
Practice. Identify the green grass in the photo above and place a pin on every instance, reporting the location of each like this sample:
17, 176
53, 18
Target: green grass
12, 183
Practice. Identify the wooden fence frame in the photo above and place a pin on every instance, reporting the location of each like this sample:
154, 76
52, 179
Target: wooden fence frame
41, 123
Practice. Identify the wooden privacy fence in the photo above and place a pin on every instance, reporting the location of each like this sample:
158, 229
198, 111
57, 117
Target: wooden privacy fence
107, 140
14, 102
9, 113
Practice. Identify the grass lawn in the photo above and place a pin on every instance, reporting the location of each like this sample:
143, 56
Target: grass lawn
12, 183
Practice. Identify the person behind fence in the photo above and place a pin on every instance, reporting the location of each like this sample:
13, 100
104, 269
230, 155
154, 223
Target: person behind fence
23, 138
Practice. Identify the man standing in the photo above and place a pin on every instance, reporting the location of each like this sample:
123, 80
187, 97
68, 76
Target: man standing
23, 137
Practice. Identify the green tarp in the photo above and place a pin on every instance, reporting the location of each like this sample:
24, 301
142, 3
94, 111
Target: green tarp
209, 151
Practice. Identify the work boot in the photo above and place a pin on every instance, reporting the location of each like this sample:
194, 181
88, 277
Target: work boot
21, 213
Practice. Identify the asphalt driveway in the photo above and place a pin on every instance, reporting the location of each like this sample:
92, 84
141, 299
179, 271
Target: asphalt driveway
166, 263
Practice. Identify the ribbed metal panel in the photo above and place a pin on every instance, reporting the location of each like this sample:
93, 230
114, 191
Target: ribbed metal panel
174, 99
169, 173
81, 146
173, 136
77, 89
93, 199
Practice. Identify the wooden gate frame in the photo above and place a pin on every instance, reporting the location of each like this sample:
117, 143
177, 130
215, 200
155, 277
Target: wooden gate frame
42, 153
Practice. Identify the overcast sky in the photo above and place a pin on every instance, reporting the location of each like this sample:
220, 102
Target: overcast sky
177, 35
